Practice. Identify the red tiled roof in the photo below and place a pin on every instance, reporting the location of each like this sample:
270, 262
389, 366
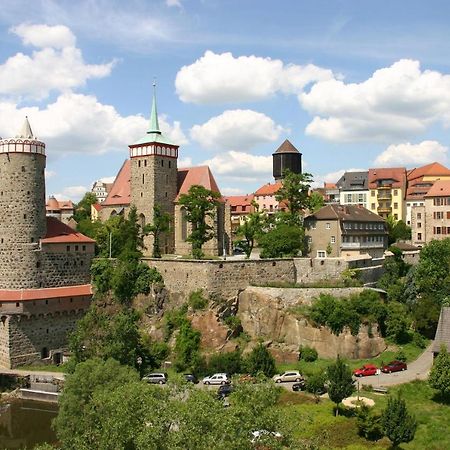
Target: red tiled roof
329, 185
200, 175
10, 295
120, 193
269, 189
440, 188
240, 203
58, 232
54, 205
433, 169
397, 174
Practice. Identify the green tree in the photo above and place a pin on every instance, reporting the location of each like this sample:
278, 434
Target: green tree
187, 345
340, 382
315, 384
251, 229
161, 224
398, 230
440, 373
283, 240
316, 202
260, 360
425, 312
295, 194
200, 205
78, 420
397, 322
83, 207
398, 425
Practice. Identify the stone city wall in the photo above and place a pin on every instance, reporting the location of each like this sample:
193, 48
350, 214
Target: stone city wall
30, 338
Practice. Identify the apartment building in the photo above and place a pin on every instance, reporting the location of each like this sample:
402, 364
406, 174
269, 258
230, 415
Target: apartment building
240, 206
432, 220
345, 230
354, 188
388, 192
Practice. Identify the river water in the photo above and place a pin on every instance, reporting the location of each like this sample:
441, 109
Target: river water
24, 424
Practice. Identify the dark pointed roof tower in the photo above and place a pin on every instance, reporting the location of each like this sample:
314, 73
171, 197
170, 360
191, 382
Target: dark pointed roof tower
286, 157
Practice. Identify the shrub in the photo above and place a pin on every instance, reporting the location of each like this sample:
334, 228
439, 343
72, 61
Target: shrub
196, 300
307, 354
369, 424
234, 324
398, 425
173, 319
229, 363
260, 360
315, 383
186, 346
400, 356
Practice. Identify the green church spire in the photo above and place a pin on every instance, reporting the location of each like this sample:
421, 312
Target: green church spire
154, 124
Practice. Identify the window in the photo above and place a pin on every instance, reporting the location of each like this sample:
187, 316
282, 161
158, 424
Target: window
438, 214
76, 248
372, 193
321, 254
419, 216
396, 216
328, 226
333, 239
395, 205
170, 164
419, 224
68, 248
372, 206
162, 163
419, 236
139, 163
145, 163
84, 248
395, 192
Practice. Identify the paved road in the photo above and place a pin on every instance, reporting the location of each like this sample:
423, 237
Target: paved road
417, 370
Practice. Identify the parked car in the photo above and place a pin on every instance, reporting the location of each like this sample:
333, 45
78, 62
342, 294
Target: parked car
300, 386
217, 378
155, 378
190, 378
238, 250
289, 375
224, 391
394, 366
366, 370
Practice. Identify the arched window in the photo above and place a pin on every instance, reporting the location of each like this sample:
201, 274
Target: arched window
142, 220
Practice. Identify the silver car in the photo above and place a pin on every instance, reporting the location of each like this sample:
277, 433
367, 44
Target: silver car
289, 375
156, 378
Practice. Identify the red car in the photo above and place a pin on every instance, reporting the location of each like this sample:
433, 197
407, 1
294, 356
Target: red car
365, 371
394, 366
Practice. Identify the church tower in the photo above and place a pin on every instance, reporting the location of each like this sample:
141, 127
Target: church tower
154, 177
286, 157
22, 209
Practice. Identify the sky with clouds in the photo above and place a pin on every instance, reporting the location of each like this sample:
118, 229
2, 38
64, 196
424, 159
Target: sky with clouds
352, 84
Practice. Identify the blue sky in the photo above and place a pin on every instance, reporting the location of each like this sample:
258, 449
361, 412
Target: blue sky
352, 84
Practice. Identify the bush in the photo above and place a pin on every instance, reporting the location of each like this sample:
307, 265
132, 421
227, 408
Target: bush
229, 363
196, 300
186, 346
234, 324
369, 424
307, 354
260, 360
400, 356
173, 319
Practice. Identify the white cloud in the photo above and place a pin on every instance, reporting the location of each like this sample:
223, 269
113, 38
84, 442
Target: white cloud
395, 102
410, 154
77, 123
43, 36
184, 162
241, 166
223, 78
231, 191
74, 193
236, 129
57, 66
176, 3
172, 131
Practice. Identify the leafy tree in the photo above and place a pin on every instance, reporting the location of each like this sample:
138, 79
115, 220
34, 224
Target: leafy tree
316, 202
229, 363
315, 384
283, 240
77, 421
340, 382
107, 332
398, 230
440, 373
425, 313
260, 360
395, 269
200, 205
397, 322
83, 207
398, 425
187, 345
160, 224
295, 194
369, 423
251, 229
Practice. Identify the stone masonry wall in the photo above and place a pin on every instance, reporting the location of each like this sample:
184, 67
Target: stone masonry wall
22, 214
29, 336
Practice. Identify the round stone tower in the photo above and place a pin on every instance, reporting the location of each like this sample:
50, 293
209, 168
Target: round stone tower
22, 209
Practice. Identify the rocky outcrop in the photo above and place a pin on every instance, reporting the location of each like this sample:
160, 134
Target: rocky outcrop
270, 314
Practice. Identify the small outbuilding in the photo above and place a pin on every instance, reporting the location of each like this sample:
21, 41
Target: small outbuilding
442, 332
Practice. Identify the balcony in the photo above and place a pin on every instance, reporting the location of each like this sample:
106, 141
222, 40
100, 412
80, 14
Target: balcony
384, 187
383, 195
384, 209
360, 245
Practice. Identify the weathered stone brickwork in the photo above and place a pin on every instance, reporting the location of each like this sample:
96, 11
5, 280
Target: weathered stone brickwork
22, 218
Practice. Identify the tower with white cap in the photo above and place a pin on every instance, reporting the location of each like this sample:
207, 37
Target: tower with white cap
22, 209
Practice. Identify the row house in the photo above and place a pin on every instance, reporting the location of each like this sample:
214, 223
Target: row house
353, 188
345, 231
240, 207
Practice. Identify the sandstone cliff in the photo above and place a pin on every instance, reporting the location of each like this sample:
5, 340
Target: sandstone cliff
269, 314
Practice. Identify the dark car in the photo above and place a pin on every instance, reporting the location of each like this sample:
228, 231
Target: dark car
394, 366
300, 386
224, 391
190, 378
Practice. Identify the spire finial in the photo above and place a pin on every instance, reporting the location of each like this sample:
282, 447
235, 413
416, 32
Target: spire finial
25, 132
154, 124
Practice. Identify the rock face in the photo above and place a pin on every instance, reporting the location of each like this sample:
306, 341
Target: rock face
267, 313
